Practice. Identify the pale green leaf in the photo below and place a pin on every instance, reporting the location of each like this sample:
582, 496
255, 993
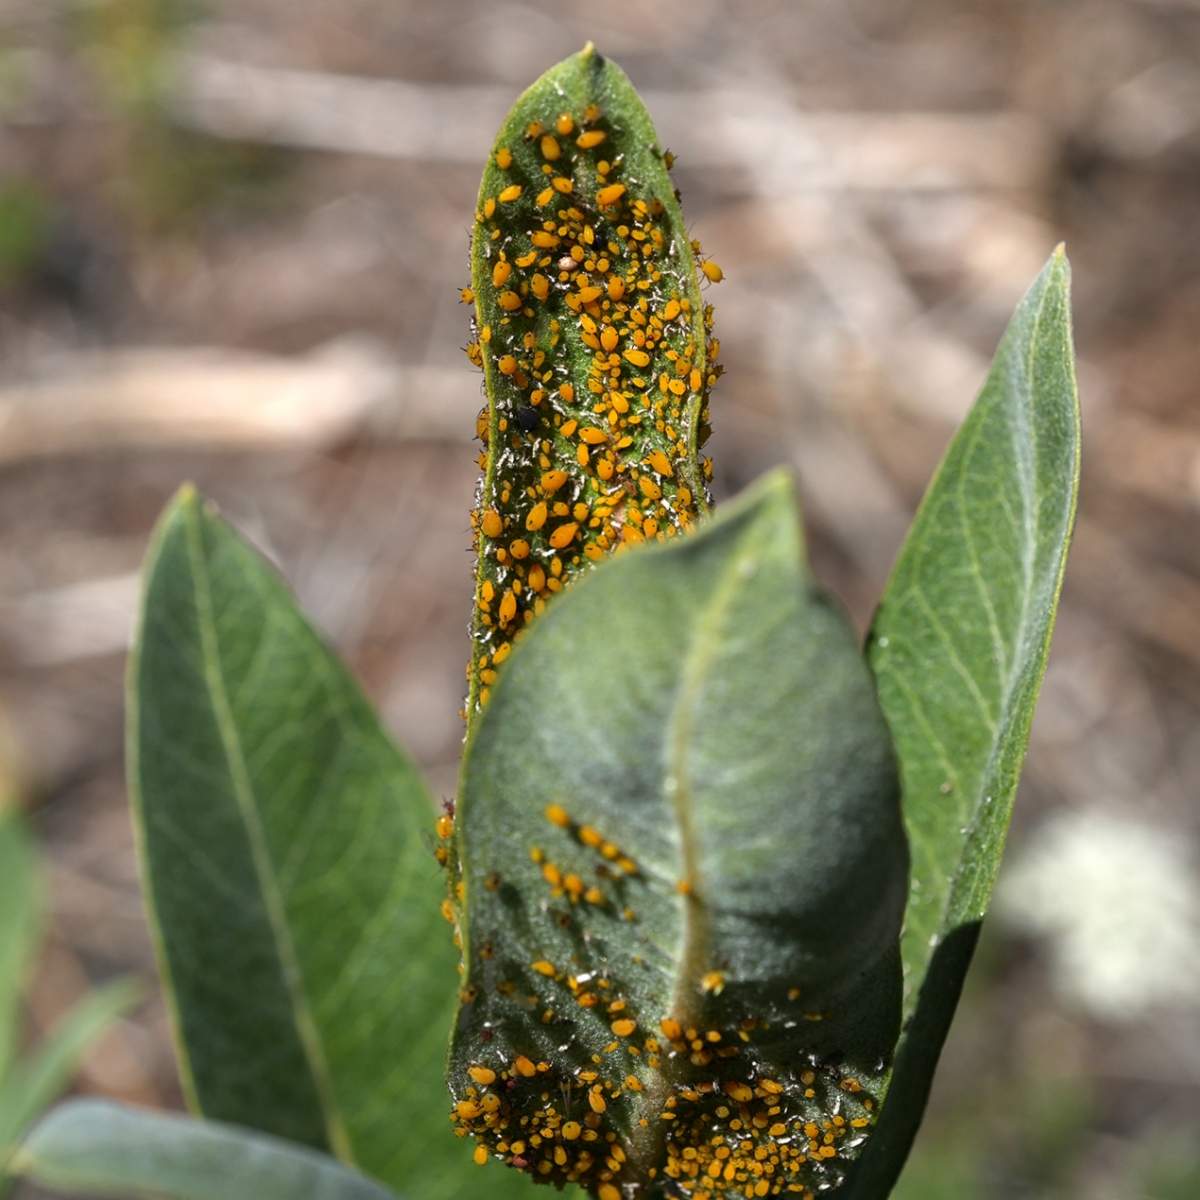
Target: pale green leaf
959, 648
105, 1149
36, 1080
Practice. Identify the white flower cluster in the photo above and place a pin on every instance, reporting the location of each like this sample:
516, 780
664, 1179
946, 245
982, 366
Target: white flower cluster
1119, 901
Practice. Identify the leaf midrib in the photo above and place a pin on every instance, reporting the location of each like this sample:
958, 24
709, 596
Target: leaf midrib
244, 794
693, 961
953, 886
958, 908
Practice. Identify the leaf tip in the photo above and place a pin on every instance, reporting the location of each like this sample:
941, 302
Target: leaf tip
777, 481
186, 500
1058, 266
20, 1162
774, 490
768, 503
124, 993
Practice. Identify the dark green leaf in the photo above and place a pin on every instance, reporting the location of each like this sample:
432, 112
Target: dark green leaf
692, 732
959, 648
309, 970
106, 1149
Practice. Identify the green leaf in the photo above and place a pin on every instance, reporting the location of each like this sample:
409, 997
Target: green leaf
580, 251
309, 971
959, 648
692, 732
38, 1078
106, 1149
18, 925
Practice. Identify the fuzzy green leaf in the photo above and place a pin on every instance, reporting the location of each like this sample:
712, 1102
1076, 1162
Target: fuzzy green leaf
295, 898
959, 648
105, 1149
680, 806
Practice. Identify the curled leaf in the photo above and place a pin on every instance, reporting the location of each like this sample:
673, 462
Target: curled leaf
595, 346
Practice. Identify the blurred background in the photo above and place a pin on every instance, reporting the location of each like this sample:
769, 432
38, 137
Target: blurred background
231, 241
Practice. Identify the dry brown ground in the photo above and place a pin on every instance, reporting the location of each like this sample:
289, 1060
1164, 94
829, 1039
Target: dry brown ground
1103, 101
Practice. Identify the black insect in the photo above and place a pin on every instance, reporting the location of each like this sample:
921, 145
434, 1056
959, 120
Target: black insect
527, 418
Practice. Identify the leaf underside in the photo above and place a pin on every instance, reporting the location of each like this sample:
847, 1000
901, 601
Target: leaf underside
959, 648
106, 1149
294, 896
683, 865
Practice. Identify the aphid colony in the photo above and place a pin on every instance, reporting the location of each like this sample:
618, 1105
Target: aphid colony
565, 1067
597, 357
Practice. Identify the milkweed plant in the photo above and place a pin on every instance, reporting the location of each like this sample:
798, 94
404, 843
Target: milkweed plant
698, 918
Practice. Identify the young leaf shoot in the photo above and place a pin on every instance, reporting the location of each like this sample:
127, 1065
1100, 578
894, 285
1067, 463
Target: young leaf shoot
595, 346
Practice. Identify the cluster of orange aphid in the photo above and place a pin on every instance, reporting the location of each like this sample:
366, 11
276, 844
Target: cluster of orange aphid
538, 1123
698, 1103
612, 864
749, 1136
598, 359
442, 851
754, 1139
